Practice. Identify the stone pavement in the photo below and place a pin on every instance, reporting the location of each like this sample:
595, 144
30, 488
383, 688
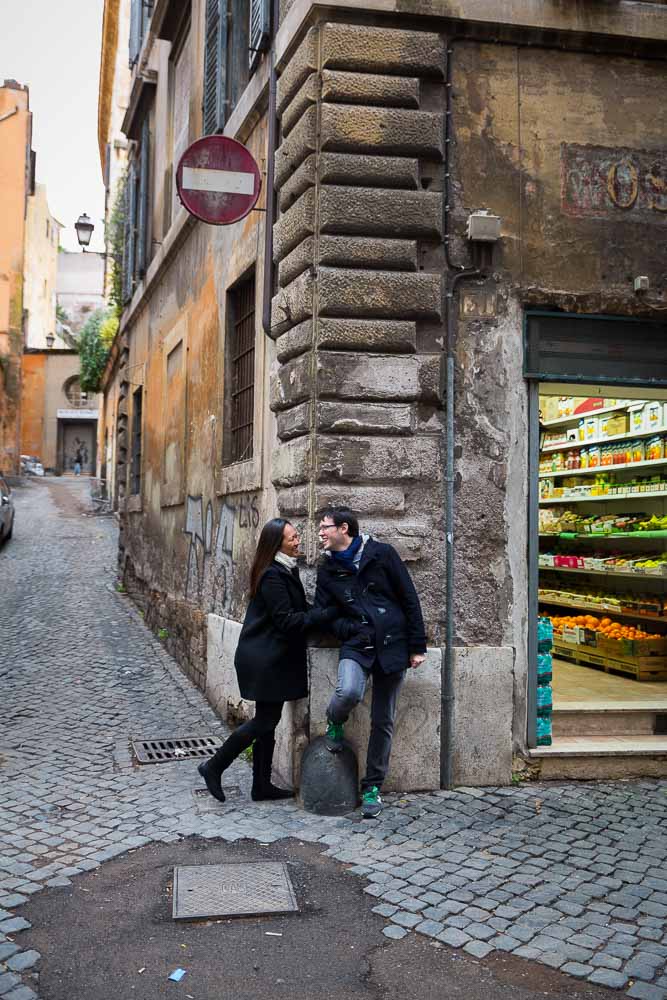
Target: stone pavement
570, 875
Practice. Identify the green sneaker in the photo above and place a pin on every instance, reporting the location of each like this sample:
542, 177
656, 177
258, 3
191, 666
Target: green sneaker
371, 803
333, 738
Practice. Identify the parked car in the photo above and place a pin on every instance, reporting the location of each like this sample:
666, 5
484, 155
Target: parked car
31, 465
6, 511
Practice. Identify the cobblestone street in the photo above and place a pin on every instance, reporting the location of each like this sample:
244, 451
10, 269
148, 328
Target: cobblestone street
570, 875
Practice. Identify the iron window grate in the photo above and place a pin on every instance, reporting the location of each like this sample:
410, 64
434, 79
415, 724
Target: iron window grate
166, 751
241, 889
243, 371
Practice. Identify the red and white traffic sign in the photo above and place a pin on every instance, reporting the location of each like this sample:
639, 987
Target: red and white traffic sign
218, 180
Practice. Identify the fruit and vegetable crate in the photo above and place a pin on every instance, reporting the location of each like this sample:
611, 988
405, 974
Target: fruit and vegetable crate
643, 667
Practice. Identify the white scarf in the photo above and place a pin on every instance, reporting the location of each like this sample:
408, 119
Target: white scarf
289, 562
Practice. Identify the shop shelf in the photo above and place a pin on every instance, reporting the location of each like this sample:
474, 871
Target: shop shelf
549, 449
574, 418
601, 609
604, 468
604, 572
646, 495
642, 668
593, 536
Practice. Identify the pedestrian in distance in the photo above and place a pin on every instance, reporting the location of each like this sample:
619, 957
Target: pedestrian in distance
77, 462
368, 582
270, 661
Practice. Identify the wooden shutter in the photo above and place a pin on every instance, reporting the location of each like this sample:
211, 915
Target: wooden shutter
215, 75
130, 230
135, 30
259, 30
146, 13
142, 207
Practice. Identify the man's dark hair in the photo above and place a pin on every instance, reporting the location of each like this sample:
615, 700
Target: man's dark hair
343, 515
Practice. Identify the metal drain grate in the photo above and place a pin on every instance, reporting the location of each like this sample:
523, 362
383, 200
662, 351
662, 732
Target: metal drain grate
180, 748
237, 890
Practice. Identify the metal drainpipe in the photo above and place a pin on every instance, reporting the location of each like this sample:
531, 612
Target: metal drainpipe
461, 272
270, 216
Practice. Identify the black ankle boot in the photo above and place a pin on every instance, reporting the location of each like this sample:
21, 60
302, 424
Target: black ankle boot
211, 771
262, 760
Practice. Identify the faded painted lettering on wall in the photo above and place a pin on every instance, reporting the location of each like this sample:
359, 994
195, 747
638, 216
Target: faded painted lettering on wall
601, 182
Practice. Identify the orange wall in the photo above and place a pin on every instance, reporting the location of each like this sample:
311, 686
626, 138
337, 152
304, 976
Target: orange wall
33, 398
14, 177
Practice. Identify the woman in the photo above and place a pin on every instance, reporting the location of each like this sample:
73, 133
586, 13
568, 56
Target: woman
270, 657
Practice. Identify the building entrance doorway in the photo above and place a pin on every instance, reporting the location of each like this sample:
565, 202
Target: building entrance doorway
598, 544
78, 447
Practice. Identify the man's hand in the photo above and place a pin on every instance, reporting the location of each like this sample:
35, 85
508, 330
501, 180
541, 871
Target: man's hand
416, 659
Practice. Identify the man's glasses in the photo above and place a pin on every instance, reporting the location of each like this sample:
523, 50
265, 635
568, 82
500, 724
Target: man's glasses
325, 527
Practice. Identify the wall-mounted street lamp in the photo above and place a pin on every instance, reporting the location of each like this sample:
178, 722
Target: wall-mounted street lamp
84, 230
50, 340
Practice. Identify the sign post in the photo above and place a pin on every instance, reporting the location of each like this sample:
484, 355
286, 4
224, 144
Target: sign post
218, 180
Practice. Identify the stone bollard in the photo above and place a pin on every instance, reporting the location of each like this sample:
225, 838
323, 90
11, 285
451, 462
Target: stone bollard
329, 781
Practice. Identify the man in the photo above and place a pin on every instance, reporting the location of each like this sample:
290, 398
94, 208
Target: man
370, 585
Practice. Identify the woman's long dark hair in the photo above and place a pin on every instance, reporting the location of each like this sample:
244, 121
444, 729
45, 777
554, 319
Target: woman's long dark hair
270, 540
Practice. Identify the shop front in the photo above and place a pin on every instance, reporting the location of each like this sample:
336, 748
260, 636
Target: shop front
597, 544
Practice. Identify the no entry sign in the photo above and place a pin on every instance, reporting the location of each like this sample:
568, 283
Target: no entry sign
218, 180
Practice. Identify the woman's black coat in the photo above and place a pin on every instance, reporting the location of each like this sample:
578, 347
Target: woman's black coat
271, 661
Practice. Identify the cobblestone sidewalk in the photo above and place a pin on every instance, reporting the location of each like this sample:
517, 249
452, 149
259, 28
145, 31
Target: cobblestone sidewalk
571, 875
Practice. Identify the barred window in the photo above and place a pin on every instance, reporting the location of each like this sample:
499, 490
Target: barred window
135, 469
240, 371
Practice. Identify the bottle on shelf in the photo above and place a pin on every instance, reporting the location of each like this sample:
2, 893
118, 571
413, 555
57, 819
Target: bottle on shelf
544, 700
544, 730
545, 634
544, 668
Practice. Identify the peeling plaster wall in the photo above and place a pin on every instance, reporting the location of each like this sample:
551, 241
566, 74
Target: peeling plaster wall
14, 189
189, 536
577, 176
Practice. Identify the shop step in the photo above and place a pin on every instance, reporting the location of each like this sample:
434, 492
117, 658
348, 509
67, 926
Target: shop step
602, 758
614, 720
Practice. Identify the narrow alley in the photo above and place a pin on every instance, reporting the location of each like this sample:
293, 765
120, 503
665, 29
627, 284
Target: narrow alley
518, 882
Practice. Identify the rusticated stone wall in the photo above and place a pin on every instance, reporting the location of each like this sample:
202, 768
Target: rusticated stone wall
358, 315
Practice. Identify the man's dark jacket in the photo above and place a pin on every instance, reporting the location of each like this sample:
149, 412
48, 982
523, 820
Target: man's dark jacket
270, 661
381, 599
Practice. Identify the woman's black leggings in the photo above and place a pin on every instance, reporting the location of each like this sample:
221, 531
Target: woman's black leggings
267, 717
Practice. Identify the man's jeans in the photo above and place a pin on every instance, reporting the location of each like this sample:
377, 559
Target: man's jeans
351, 687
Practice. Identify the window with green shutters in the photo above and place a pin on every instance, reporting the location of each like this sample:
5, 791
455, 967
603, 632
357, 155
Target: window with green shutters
215, 59
259, 30
140, 15
237, 32
136, 255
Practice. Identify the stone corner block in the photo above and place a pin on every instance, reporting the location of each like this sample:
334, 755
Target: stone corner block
483, 711
415, 756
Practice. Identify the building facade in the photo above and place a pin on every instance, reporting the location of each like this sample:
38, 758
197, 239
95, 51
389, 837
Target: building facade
79, 288
438, 178
17, 181
59, 422
42, 238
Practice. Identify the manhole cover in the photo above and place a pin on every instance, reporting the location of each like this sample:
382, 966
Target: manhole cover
180, 748
236, 890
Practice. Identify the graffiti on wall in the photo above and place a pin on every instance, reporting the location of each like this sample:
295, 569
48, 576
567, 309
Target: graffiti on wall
600, 182
210, 564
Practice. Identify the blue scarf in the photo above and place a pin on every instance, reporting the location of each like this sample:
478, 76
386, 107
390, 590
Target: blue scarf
346, 557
